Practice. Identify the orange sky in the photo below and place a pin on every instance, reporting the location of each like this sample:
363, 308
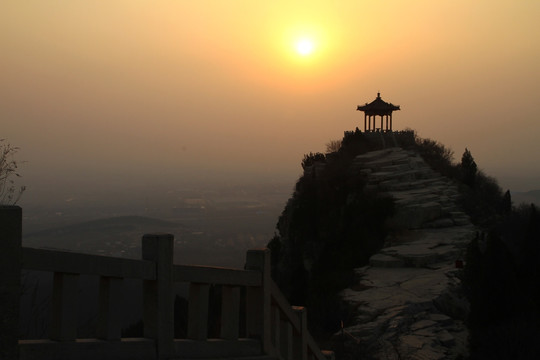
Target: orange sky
95, 91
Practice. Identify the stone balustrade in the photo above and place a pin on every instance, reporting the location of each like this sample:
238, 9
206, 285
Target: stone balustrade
273, 329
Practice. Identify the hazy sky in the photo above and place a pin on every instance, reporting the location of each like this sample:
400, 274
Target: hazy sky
96, 92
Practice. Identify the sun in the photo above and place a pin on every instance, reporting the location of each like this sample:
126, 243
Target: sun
305, 47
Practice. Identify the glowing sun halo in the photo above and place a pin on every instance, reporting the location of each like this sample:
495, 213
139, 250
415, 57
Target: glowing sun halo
305, 47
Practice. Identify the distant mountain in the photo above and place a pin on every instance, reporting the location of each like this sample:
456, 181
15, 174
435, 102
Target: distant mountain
117, 223
528, 197
202, 240
115, 236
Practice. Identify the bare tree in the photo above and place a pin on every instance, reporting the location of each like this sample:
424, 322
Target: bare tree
333, 146
9, 193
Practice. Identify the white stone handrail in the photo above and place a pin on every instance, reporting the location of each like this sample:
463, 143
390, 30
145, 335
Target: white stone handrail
272, 326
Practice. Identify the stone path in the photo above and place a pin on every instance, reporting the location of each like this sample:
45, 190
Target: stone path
407, 300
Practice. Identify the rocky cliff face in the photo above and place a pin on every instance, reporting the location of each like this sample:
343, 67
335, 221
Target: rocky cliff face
408, 300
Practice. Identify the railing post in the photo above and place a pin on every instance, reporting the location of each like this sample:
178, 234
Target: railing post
258, 318
300, 341
158, 313
286, 340
10, 284
276, 324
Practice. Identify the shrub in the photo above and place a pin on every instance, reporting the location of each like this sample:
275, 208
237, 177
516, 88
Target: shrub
437, 156
312, 158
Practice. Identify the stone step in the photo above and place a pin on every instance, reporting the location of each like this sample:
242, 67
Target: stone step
460, 218
416, 199
386, 184
439, 223
461, 222
446, 209
416, 191
389, 160
377, 177
438, 185
371, 187
413, 215
385, 261
371, 156
404, 160
427, 173
377, 165
420, 184
441, 319
402, 176
446, 338
419, 260
365, 172
401, 185
424, 257
422, 324
396, 167
443, 199
428, 353
417, 163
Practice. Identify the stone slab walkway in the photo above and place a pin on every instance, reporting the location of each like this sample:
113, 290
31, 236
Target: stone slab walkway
408, 301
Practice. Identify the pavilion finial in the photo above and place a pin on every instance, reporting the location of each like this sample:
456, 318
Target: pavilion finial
378, 94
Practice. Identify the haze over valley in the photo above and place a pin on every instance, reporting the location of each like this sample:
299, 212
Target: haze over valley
212, 226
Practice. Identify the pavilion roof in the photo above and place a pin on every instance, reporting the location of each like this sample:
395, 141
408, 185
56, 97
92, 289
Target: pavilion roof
378, 107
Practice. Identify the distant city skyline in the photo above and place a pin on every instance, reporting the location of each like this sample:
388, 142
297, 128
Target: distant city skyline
99, 95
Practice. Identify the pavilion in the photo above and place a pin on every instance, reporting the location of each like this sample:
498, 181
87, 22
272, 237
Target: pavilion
377, 107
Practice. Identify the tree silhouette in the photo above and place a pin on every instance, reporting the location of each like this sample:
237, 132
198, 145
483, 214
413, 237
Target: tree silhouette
507, 202
469, 168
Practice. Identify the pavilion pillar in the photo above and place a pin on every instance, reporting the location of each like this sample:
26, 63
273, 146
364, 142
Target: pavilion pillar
390, 122
365, 121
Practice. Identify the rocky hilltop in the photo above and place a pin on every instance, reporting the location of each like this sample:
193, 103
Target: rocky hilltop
381, 240
408, 300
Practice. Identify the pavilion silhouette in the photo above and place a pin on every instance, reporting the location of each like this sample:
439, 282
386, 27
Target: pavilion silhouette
377, 107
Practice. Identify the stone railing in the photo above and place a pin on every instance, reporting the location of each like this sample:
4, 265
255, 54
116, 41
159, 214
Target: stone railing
272, 327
